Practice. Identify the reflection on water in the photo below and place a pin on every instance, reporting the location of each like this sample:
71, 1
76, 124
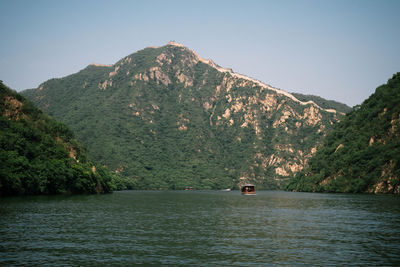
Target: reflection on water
201, 228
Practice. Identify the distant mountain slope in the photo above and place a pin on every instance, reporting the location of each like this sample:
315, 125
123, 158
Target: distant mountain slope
323, 103
167, 118
39, 155
363, 153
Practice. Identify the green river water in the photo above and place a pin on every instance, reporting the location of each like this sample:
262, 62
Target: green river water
200, 228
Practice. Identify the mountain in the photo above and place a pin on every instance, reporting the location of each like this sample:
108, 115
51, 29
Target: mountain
362, 154
167, 119
323, 103
39, 155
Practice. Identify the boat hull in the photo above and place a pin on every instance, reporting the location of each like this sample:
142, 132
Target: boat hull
249, 194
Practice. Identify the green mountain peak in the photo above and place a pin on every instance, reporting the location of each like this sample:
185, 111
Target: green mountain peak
166, 118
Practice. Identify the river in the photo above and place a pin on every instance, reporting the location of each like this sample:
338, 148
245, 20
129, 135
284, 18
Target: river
201, 228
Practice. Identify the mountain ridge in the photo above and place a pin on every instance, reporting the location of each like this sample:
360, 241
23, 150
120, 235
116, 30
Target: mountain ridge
324, 103
230, 71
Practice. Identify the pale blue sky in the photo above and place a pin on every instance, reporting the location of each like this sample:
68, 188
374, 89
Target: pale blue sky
340, 50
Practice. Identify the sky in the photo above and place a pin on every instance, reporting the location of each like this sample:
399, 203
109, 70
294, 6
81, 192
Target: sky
339, 50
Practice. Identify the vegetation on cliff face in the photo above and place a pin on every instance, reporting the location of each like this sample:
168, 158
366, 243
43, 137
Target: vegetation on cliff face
362, 154
39, 155
166, 119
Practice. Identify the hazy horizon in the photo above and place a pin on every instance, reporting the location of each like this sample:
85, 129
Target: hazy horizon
339, 50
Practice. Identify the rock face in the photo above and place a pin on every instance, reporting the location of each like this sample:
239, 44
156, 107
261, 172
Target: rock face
363, 153
168, 118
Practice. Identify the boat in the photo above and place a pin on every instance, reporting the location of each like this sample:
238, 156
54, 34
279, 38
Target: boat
248, 189
226, 190
189, 188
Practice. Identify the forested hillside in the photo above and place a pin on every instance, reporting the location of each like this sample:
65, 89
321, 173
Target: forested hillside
39, 155
363, 153
167, 119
